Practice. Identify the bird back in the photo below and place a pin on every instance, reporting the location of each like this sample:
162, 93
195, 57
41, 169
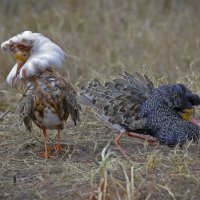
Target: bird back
118, 101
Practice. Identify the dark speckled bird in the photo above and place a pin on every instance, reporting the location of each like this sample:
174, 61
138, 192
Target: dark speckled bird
133, 104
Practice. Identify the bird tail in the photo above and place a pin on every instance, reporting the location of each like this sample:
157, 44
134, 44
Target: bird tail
95, 94
75, 114
119, 100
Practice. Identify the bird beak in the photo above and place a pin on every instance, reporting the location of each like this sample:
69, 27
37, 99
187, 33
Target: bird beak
21, 57
187, 114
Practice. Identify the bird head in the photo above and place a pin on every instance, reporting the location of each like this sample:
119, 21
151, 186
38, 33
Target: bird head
187, 100
188, 115
21, 56
178, 98
34, 53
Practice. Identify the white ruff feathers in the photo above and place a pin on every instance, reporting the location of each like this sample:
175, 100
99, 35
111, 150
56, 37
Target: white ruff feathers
44, 54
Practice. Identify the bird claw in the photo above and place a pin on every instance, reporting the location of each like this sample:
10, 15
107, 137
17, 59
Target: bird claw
50, 148
57, 147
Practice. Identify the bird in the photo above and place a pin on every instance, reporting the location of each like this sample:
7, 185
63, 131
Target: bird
47, 99
134, 106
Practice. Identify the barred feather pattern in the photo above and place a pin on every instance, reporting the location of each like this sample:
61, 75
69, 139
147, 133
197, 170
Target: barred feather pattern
120, 100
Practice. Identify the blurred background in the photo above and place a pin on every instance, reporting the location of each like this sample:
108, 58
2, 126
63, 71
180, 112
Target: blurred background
102, 38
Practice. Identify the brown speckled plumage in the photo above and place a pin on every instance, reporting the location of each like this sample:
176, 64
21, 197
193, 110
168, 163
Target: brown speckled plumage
48, 93
47, 99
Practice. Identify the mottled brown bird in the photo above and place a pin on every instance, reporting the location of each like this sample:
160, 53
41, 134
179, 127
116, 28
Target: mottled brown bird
48, 99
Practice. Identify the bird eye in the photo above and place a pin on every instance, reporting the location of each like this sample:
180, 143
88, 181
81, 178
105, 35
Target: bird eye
24, 55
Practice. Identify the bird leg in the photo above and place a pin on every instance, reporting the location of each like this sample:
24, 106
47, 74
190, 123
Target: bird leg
150, 141
45, 154
116, 141
58, 146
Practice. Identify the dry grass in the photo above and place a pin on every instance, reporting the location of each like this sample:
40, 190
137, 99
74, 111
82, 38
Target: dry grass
101, 38
101, 35
92, 168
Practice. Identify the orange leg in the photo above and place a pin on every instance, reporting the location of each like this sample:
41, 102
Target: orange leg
150, 141
45, 154
116, 141
58, 146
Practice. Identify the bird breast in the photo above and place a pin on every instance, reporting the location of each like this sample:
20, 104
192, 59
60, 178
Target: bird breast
49, 120
50, 107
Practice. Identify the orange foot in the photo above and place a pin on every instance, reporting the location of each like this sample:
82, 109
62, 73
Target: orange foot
46, 155
59, 148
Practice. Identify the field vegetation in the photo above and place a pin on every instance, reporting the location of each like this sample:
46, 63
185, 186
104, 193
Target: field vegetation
160, 38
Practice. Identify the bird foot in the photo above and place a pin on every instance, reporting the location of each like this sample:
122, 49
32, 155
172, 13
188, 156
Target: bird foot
50, 148
58, 147
152, 142
46, 155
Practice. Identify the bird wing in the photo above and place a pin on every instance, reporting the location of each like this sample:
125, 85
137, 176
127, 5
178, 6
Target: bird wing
68, 100
73, 106
119, 101
26, 111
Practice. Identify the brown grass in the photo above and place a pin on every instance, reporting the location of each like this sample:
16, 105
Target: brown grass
92, 168
101, 38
